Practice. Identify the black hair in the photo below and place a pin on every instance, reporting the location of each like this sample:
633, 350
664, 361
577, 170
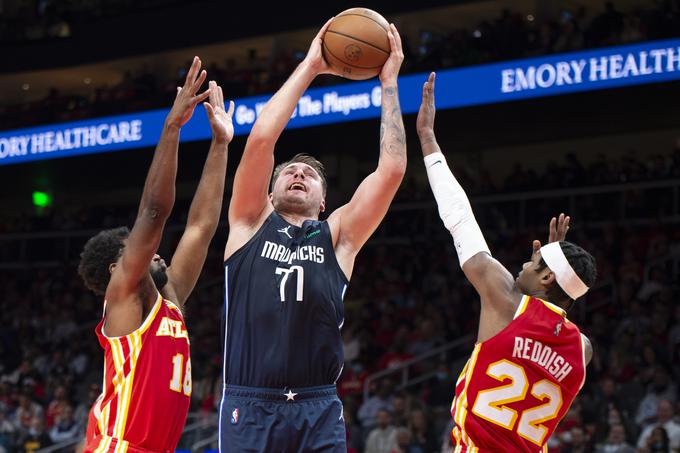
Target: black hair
99, 253
583, 264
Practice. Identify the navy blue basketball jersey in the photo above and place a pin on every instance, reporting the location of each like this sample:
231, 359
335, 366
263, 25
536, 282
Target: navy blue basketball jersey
283, 308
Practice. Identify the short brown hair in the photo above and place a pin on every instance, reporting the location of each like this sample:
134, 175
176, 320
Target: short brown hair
305, 159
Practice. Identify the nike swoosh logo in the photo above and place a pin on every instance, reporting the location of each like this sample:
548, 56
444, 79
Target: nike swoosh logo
438, 162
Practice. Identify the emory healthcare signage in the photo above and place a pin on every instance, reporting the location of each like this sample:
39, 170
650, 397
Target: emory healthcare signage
649, 62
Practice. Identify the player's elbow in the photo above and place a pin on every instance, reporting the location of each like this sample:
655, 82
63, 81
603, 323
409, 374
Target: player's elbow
154, 212
475, 266
393, 169
201, 229
261, 136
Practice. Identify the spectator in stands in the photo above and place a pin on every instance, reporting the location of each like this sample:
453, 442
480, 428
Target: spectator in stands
35, 437
423, 436
400, 405
383, 438
396, 355
405, 444
661, 388
577, 441
65, 427
664, 419
7, 433
425, 338
381, 401
616, 441
352, 380
27, 411
657, 442
56, 406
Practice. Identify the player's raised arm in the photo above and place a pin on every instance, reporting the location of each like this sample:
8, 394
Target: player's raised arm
354, 223
131, 272
204, 214
491, 280
250, 198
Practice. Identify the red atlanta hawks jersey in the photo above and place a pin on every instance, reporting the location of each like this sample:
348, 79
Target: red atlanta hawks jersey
517, 385
147, 386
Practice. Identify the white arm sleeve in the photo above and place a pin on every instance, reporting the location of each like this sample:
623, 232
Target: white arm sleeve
454, 209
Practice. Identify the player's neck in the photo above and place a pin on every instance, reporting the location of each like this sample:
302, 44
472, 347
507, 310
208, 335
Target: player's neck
295, 218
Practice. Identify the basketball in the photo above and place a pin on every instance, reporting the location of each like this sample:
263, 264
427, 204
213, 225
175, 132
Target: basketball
356, 43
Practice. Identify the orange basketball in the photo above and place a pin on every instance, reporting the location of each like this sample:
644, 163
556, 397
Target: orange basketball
356, 43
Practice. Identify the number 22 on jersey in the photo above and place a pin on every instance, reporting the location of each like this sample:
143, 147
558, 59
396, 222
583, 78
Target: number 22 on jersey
491, 404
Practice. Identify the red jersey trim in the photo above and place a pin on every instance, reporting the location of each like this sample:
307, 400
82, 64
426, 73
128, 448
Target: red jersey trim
523, 303
585, 363
145, 325
460, 404
125, 350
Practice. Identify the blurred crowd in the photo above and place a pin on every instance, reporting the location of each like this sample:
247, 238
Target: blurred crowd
511, 35
563, 172
414, 300
37, 20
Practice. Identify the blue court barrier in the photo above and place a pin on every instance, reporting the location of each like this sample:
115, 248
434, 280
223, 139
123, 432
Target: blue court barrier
645, 63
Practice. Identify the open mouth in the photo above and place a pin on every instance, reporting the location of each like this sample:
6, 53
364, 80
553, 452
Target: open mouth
298, 186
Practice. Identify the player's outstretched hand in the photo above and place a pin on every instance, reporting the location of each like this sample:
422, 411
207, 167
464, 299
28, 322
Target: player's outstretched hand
220, 120
187, 99
558, 228
315, 58
425, 120
390, 70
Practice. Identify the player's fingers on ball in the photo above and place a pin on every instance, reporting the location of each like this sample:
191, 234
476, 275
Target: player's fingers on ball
397, 36
390, 39
325, 27
394, 49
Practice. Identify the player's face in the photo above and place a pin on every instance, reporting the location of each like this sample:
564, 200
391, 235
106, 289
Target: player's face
529, 279
298, 189
158, 269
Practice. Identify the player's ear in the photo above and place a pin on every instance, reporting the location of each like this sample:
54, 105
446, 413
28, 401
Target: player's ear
548, 277
322, 208
112, 267
271, 196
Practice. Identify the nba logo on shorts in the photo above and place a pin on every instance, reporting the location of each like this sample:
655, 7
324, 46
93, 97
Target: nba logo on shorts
234, 416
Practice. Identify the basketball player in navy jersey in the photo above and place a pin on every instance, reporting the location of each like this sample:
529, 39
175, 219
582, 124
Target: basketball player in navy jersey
286, 274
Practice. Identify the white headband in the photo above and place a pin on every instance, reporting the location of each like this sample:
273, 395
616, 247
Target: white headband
564, 274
